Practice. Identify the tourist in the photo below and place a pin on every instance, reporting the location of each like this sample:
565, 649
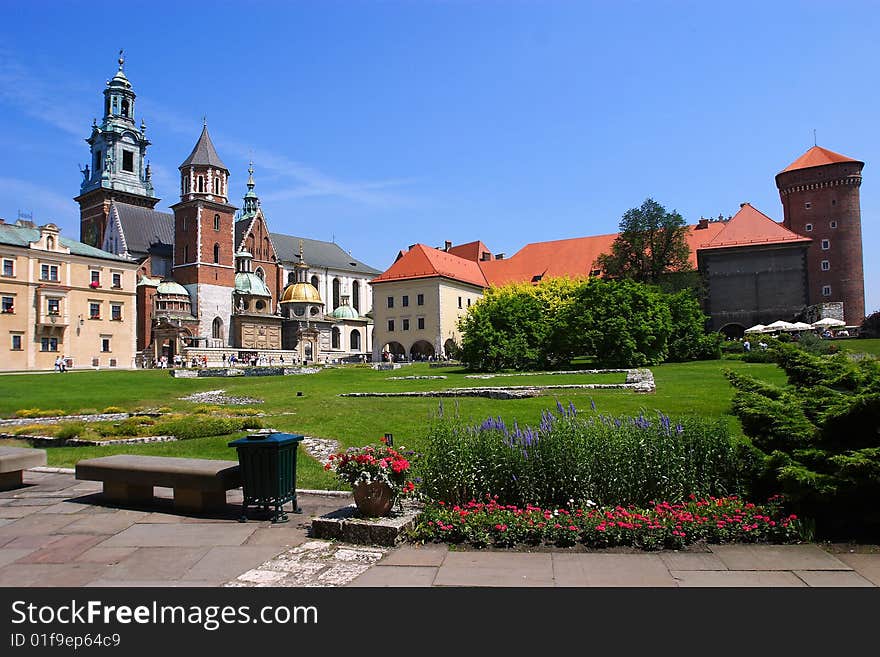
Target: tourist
747, 346
58, 363
224, 360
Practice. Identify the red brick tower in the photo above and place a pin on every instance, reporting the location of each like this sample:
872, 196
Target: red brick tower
204, 236
820, 200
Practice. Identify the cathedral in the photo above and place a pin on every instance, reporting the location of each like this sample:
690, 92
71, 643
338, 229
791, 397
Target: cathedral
212, 280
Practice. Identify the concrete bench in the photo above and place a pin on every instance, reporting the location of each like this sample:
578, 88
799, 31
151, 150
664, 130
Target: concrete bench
199, 484
14, 461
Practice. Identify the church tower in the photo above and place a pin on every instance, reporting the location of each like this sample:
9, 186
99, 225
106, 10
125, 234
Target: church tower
204, 238
117, 170
820, 200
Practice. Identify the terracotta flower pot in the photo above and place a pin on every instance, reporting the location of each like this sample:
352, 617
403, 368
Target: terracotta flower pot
374, 500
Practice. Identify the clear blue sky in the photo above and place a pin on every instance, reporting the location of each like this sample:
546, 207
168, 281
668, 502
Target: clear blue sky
381, 124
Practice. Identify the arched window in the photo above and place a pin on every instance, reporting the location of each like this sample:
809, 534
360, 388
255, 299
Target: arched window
315, 282
217, 329
356, 296
291, 278
266, 250
261, 274
186, 185
216, 253
334, 338
216, 221
355, 340
216, 185
336, 293
125, 107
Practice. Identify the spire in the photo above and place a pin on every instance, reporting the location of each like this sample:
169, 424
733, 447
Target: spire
204, 153
251, 200
121, 59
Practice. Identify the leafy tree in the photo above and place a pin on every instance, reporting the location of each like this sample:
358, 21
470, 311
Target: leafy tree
651, 242
871, 325
688, 339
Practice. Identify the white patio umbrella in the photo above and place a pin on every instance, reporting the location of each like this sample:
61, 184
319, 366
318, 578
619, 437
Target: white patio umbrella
779, 326
757, 328
828, 322
801, 326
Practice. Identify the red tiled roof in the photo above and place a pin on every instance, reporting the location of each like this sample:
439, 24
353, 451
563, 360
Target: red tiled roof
817, 157
423, 261
471, 251
749, 227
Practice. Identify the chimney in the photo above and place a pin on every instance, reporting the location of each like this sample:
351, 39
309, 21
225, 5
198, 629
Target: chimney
447, 246
499, 256
703, 224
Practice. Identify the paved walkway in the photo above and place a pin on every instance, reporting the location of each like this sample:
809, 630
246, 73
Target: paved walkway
57, 531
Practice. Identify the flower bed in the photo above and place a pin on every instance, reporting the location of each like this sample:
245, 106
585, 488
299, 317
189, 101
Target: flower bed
660, 525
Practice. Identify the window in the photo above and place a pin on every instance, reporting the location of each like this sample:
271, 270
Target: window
186, 188
406, 325
826, 265
291, 278
469, 303
808, 228
95, 278
404, 301
216, 190
16, 343
98, 161
94, 310
834, 201
808, 205
117, 280
834, 224
826, 290
216, 220
336, 288
420, 300
105, 345
260, 305
216, 254
8, 267
128, 161
315, 282
459, 302
48, 344
355, 340
201, 184
334, 338
49, 272
53, 306
391, 302
356, 299
115, 312
421, 321
8, 305
217, 328
390, 325
826, 244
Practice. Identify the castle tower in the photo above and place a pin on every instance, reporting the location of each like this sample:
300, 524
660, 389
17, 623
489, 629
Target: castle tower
820, 200
117, 170
204, 237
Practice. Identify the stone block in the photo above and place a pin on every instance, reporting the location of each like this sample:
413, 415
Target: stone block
345, 525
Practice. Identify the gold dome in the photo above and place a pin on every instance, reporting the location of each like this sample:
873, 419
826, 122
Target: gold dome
301, 293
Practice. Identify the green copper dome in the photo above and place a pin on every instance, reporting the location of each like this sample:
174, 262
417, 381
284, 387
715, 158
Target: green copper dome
248, 283
171, 287
345, 312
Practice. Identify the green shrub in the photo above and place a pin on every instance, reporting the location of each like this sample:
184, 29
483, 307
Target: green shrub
34, 430
37, 412
607, 460
70, 430
818, 438
200, 427
88, 411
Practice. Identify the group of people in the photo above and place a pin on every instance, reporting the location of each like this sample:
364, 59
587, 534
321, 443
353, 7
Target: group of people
61, 364
747, 346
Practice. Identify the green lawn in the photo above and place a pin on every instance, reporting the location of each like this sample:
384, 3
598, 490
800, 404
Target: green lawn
682, 389
864, 346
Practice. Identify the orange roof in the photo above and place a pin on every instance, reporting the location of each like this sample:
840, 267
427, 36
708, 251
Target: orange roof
749, 227
423, 261
471, 251
817, 157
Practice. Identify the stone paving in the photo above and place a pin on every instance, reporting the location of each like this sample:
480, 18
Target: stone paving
57, 531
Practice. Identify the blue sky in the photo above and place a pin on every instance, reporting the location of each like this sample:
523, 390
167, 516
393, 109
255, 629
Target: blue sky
380, 124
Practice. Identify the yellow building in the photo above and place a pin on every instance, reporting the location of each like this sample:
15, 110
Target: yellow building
63, 298
418, 301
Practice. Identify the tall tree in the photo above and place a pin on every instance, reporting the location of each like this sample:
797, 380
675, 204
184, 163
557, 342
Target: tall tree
651, 242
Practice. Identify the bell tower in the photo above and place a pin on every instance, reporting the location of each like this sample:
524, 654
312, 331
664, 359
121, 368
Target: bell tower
116, 168
204, 238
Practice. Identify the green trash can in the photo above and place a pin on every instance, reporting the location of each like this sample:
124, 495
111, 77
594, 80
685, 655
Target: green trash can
268, 472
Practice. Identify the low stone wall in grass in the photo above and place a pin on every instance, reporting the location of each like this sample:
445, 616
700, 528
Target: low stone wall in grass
51, 441
96, 417
188, 373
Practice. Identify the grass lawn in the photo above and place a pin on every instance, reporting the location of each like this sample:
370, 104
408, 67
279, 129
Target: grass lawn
682, 389
863, 346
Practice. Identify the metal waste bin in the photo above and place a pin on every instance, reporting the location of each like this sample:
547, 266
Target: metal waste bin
268, 472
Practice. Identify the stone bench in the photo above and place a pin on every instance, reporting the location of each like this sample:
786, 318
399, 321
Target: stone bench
14, 461
199, 484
